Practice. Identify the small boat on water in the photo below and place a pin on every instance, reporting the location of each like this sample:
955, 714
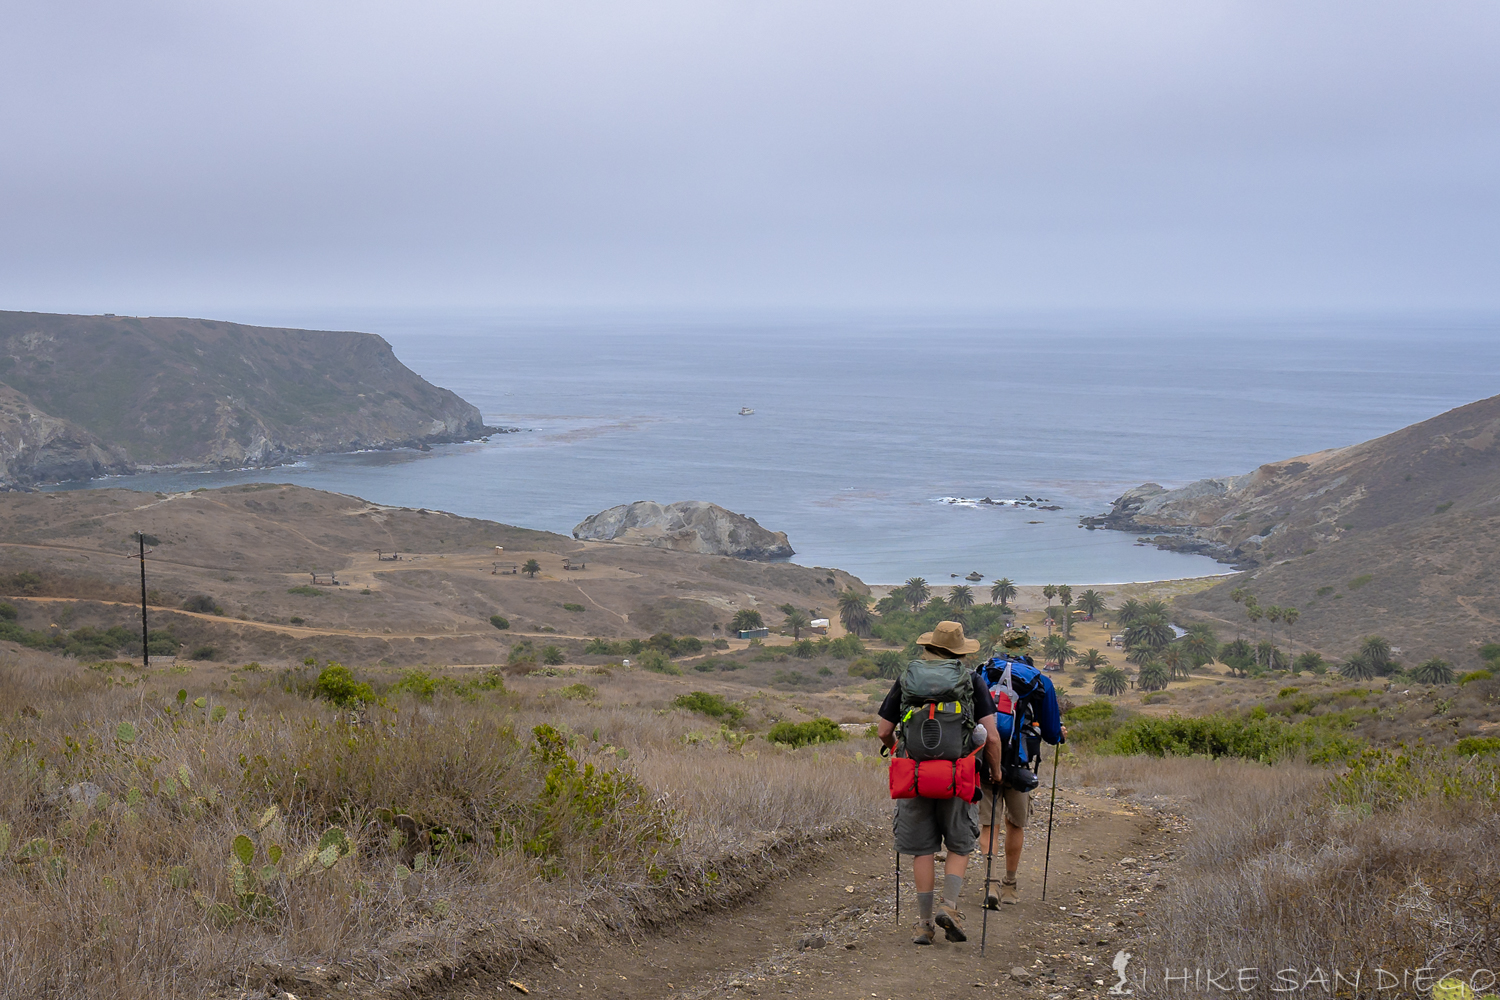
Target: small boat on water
745, 411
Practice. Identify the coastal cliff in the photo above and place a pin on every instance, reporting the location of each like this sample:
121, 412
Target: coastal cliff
1395, 536
81, 396
686, 526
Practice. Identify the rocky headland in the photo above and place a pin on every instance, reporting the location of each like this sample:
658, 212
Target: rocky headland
686, 526
1395, 536
84, 396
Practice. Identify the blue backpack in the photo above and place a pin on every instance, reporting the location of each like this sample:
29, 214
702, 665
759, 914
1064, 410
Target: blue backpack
1026, 712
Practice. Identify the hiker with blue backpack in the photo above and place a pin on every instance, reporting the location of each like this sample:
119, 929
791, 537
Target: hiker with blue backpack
1026, 715
934, 723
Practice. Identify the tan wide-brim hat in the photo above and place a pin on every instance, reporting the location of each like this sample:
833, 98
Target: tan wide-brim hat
949, 636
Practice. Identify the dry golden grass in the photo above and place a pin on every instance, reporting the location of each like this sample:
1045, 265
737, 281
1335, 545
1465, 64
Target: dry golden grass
136, 895
1279, 875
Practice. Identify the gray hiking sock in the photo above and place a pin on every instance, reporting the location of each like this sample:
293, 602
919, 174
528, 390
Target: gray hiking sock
1010, 879
924, 906
952, 886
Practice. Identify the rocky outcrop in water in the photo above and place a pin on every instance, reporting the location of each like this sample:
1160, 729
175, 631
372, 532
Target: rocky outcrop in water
686, 526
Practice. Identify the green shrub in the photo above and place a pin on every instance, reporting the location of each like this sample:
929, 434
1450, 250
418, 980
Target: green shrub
500, 622
714, 705
1471, 745
1388, 779
864, 667
1090, 711
721, 644
7, 612
202, 604
337, 684
1475, 675
1490, 652
725, 666
204, 653
294, 620
656, 661
573, 607
577, 692
306, 591
792, 677
801, 734
1360, 581
1255, 737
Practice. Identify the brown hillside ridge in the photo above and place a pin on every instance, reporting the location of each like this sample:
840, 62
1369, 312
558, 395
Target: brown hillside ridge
1397, 536
83, 396
247, 547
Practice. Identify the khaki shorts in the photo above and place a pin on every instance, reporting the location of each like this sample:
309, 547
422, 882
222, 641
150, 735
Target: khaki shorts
922, 826
1016, 806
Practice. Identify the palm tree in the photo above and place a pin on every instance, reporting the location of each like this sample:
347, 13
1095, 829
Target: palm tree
1374, 652
1057, 649
1154, 676
917, 592
746, 619
1151, 631
1091, 602
1238, 656
1092, 659
990, 641
1290, 615
1238, 594
1200, 644
1003, 592
1049, 592
1129, 613
1433, 671
854, 612
1310, 662
1110, 681
531, 568
1177, 661
796, 620
1156, 606
894, 601
1065, 594
1270, 655
1357, 668
961, 597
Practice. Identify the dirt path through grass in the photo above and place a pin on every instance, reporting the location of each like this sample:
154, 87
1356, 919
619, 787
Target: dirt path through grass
827, 927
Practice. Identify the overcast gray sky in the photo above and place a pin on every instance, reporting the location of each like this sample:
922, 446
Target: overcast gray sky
207, 156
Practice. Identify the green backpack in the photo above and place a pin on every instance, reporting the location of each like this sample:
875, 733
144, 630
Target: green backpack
937, 710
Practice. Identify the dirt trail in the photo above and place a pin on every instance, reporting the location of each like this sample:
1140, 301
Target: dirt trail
827, 929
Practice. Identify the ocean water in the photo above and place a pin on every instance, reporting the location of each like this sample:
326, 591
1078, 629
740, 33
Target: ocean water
866, 432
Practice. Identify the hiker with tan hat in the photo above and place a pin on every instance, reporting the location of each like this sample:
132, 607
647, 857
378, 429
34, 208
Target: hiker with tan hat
934, 722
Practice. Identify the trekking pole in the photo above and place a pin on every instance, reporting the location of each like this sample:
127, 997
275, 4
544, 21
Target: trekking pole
1051, 810
989, 867
898, 888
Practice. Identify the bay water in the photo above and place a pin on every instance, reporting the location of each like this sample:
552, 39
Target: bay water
872, 438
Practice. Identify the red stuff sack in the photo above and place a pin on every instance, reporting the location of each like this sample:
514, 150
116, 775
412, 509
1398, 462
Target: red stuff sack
948, 779
903, 776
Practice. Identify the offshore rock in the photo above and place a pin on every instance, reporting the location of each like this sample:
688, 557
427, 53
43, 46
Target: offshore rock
686, 526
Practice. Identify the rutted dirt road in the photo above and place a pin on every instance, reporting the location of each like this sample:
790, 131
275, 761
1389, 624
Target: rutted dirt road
827, 928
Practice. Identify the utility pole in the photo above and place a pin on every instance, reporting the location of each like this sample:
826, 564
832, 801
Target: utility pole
145, 635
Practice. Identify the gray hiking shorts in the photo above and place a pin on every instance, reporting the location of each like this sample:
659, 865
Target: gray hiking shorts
923, 826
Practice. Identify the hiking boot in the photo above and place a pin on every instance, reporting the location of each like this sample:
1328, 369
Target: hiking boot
1009, 893
925, 933
952, 923
991, 900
